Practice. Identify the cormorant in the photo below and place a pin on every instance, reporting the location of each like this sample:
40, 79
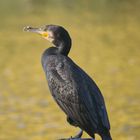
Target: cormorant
73, 90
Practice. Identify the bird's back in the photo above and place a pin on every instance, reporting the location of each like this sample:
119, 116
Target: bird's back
76, 94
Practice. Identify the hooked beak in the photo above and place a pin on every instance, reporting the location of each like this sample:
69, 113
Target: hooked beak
35, 30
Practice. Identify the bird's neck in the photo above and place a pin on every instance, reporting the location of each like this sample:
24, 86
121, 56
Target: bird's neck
63, 48
60, 48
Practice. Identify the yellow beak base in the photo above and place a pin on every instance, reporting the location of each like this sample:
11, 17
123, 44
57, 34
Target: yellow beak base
44, 34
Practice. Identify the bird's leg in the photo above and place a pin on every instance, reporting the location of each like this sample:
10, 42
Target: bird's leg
79, 135
72, 122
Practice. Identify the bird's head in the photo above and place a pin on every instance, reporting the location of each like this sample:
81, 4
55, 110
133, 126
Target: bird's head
55, 34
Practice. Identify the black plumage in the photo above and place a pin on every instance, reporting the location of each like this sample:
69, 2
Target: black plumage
73, 90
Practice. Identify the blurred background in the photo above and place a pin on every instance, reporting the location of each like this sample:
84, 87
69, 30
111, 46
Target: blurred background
106, 39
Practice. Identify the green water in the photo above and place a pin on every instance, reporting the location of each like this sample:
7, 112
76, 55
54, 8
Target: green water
106, 39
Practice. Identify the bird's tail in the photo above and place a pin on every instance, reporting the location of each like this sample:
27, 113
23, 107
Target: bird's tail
106, 137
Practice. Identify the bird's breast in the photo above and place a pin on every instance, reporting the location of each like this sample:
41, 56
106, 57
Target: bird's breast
62, 90
60, 81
